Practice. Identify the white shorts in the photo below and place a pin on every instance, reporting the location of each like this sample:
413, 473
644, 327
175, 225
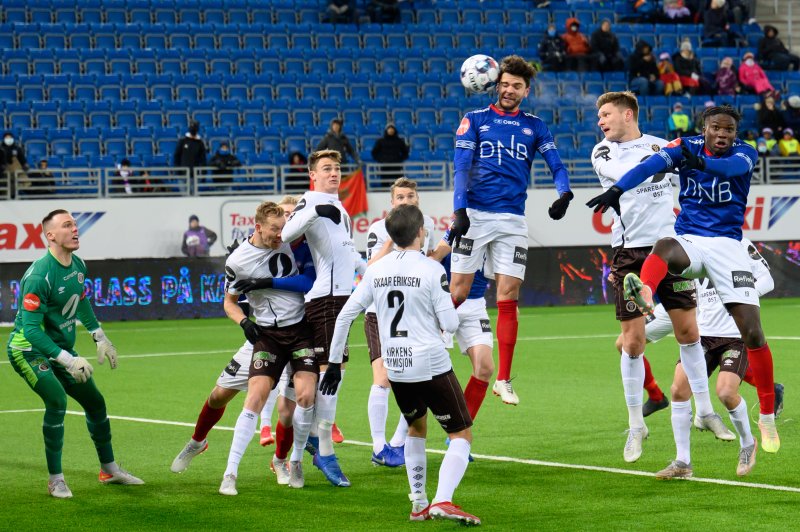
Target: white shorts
285, 386
725, 262
498, 239
474, 327
235, 374
658, 325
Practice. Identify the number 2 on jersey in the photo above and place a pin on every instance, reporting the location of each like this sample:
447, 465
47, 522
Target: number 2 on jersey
396, 298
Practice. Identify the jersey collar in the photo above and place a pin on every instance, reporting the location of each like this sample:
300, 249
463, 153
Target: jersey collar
499, 111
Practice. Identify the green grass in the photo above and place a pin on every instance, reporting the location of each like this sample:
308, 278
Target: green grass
572, 412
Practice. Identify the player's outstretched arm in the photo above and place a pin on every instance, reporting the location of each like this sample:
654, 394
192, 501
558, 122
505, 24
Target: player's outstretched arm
442, 248
297, 224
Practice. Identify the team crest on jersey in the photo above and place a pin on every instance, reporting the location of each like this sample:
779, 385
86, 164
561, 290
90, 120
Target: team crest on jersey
80, 277
602, 153
464, 246
31, 302
656, 148
463, 127
445, 284
527, 131
630, 306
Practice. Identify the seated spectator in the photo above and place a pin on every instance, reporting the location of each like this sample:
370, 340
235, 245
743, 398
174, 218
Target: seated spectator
197, 240
716, 28
41, 181
789, 146
579, 51
698, 118
384, 11
766, 144
770, 117
553, 50
606, 47
224, 161
679, 124
296, 179
676, 11
392, 150
774, 54
725, 79
749, 137
341, 11
753, 78
643, 75
15, 164
791, 115
126, 179
688, 68
667, 74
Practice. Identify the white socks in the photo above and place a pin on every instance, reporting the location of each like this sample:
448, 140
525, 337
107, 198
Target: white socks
242, 434
452, 470
269, 407
400, 433
681, 427
742, 424
325, 416
416, 468
632, 370
694, 364
302, 420
378, 411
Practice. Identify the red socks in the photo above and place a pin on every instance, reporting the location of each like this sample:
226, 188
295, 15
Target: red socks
654, 270
206, 420
653, 391
474, 393
284, 438
507, 326
749, 376
760, 359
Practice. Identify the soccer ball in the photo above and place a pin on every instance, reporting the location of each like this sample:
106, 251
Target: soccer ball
479, 73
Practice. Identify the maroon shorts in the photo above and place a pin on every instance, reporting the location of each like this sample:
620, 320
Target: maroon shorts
279, 346
442, 394
674, 292
373, 338
321, 315
727, 354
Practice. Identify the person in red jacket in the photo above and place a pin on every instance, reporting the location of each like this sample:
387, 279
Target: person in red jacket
579, 50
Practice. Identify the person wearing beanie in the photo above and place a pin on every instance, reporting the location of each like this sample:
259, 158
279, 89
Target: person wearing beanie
753, 76
335, 139
678, 123
688, 68
392, 151
667, 74
580, 55
191, 150
726, 80
766, 143
197, 240
789, 146
773, 53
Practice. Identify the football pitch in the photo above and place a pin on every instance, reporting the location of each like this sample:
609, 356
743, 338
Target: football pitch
552, 463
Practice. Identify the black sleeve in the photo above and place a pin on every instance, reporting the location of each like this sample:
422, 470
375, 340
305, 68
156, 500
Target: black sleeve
21, 156
176, 159
210, 235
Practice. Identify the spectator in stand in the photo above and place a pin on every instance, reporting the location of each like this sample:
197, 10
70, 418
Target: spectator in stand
15, 163
770, 117
42, 181
191, 150
789, 146
774, 54
384, 11
749, 137
716, 27
224, 161
679, 123
197, 240
341, 11
688, 68
676, 11
753, 77
392, 150
766, 144
553, 50
296, 180
579, 51
698, 118
335, 139
644, 76
668, 76
791, 116
606, 47
725, 79
129, 180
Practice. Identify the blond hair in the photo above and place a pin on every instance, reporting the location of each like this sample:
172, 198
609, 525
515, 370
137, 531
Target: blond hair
288, 199
323, 154
402, 182
266, 210
623, 99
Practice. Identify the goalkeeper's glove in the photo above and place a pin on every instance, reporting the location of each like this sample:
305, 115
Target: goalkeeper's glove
559, 207
251, 330
459, 227
690, 160
246, 285
330, 382
105, 348
330, 212
78, 367
609, 198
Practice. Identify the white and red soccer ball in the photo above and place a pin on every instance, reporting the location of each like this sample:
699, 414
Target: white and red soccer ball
479, 73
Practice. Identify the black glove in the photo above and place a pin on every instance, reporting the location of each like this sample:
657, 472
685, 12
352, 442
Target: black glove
330, 212
330, 382
246, 285
459, 227
251, 330
559, 207
609, 198
233, 246
690, 160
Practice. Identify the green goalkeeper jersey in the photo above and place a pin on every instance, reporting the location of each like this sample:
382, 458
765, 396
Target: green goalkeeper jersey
51, 300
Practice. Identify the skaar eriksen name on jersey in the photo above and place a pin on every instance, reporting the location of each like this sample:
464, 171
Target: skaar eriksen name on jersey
396, 280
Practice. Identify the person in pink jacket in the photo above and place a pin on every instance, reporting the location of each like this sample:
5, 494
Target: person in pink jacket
752, 76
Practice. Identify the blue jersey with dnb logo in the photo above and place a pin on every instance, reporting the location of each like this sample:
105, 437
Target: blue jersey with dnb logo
493, 158
713, 201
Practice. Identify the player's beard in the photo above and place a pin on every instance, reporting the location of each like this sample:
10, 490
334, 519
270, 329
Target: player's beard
511, 109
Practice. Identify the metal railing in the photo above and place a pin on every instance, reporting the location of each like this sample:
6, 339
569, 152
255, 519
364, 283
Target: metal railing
283, 179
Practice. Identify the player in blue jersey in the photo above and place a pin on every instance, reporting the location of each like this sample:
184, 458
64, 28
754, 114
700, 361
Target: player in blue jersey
495, 147
715, 172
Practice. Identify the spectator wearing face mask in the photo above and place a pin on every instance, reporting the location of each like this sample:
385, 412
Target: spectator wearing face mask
553, 50
191, 150
766, 144
754, 78
579, 50
224, 161
13, 160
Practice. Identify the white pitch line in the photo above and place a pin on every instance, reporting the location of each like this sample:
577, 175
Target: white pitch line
541, 463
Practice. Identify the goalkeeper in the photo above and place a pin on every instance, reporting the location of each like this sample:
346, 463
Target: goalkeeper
41, 350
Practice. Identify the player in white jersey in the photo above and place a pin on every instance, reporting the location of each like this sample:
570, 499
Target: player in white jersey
328, 230
645, 216
413, 303
402, 192
724, 349
280, 335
